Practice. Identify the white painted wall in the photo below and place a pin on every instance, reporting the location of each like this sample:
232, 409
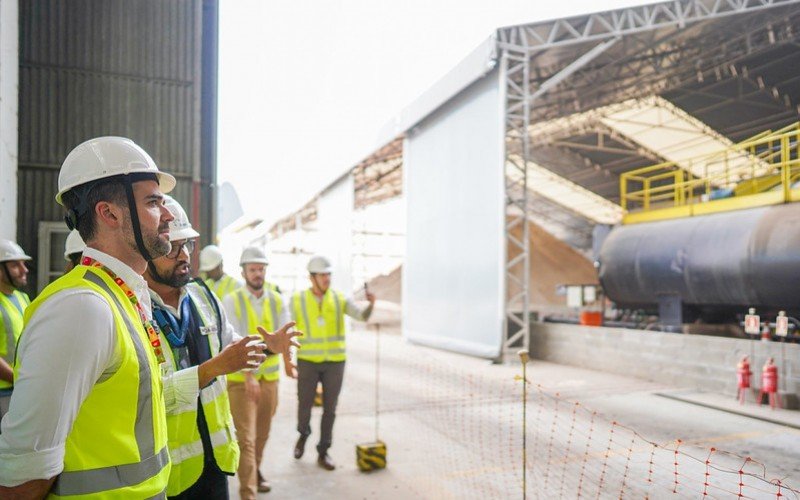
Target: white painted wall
9, 84
453, 183
335, 224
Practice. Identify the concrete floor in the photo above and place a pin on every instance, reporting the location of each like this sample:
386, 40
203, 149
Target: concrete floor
453, 429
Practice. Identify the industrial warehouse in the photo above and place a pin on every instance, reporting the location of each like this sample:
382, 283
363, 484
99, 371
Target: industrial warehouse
569, 268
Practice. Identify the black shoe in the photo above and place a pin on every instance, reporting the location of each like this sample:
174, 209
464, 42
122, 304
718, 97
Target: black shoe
326, 462
300, 446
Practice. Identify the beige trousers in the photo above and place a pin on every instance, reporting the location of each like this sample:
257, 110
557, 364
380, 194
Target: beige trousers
252, 420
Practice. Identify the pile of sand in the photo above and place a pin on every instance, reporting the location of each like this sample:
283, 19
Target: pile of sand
553, 263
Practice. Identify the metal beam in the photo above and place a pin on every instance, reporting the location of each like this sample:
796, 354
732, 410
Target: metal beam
572, 67
610, 24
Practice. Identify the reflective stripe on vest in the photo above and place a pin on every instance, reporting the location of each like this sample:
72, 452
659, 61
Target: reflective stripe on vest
322, 325
144, 404
11, 328
185, 443
194, 449
126, 455
270, 368
93, 481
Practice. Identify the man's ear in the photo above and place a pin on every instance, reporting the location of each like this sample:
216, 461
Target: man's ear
108, 214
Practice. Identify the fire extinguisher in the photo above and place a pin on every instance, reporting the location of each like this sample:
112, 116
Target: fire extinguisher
743, 374
769, 383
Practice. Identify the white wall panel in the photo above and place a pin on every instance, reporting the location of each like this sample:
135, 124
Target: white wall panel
453, 274
335, 223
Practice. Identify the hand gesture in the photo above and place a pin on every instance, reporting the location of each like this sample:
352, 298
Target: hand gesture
239, 355
281, 340
244, 353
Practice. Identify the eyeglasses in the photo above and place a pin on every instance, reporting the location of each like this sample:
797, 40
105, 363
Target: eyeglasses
175, 251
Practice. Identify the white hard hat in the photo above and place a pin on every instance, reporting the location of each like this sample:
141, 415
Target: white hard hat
180, 228
104, 157
74, 244
11, 251
319, 265
253, 255
210, 258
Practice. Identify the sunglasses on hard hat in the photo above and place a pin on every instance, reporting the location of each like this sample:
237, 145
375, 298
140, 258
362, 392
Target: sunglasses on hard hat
177, 246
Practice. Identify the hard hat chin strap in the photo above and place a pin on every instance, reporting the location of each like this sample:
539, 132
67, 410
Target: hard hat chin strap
137, 227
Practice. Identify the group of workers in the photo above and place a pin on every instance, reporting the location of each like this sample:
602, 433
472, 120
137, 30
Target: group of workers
129, 378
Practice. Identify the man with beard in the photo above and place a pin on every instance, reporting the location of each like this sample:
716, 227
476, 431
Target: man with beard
202, 349
87, 413
13, 301
254, 394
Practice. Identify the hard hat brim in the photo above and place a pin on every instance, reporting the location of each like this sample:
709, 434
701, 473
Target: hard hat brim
183, 234
21, 257
207, 267
254, 261
166, 182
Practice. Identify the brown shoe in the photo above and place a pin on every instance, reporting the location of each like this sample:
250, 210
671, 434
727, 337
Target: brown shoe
263, 484
326, 462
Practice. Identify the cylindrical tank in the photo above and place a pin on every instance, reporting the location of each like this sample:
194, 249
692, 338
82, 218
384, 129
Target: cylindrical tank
739, 258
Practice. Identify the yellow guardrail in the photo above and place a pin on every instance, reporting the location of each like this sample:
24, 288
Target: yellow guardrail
756, 166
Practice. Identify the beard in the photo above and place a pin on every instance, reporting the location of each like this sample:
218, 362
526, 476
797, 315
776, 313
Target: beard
153, 243
255, 284
16, 282
172, 278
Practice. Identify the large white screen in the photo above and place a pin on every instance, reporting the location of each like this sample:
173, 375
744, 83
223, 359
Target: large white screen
453, 273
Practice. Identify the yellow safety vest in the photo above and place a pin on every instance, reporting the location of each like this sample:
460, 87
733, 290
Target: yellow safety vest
117, 447
224, 286
323, 328
10, 328
185, 444
270, 369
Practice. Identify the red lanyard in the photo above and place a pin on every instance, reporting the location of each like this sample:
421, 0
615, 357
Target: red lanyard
152, 334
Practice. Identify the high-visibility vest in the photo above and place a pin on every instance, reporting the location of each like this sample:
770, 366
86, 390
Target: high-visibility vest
272, 286
322, 327
117, 447
223, 286
185, 444
271, 311
10, 328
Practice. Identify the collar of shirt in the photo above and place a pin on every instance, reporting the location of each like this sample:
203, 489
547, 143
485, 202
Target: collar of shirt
253, 298
160, 302
128, 275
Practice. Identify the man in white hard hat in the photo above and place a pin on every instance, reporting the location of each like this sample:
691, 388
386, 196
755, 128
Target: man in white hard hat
73, 250
254, 394
319, 313
211, 267
203, 348
87, 413
13, 301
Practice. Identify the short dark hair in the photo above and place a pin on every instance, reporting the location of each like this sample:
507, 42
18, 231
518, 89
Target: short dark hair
110, 190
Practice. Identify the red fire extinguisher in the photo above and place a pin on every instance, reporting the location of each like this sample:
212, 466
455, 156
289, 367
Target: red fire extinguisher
743, 374
769, 383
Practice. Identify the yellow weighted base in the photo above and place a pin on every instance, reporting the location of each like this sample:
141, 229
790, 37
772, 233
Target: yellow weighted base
371, 456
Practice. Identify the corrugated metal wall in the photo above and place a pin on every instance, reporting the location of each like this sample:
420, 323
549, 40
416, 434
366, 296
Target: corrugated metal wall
133, 68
